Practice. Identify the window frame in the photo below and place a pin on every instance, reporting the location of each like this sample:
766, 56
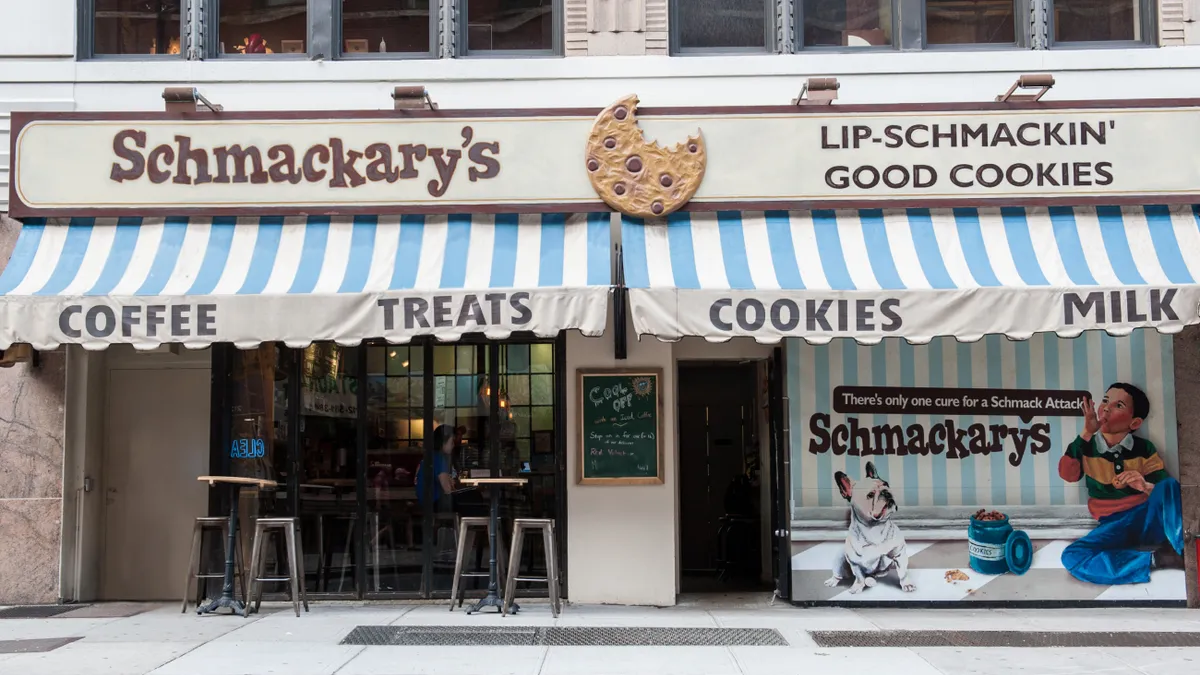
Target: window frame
770, 25
899, 41
1023, 33
462, 49
86, 42
211, 13
338, 40
1148, 15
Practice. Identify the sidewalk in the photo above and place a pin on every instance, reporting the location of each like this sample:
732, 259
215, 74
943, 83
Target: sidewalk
122, 639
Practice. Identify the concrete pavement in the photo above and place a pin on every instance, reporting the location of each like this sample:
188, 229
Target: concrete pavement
138, 640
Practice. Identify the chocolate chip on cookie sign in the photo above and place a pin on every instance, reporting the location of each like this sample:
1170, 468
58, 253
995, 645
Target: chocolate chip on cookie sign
637, 178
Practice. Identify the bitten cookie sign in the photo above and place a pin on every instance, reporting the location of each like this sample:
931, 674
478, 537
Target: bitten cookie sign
636, 178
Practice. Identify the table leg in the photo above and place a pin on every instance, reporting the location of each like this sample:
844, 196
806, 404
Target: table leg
493, 599
227, 599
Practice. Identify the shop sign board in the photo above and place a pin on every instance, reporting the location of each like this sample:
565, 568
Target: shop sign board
620, 428
643, 164
959, 471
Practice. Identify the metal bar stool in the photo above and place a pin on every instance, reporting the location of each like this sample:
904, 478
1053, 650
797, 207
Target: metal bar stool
464, 530
546, 527
289, 528
194, 573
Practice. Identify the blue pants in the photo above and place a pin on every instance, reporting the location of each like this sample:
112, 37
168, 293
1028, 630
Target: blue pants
1109, 554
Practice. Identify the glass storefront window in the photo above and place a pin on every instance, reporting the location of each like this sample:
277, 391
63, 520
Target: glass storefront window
395, 448
423, 405
258, 443
326, 481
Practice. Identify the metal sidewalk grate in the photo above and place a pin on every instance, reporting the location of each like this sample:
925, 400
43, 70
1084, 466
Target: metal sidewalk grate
1001, 638
531, 636
37, 611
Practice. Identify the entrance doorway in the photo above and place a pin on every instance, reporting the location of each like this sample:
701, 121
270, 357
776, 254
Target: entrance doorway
724, 465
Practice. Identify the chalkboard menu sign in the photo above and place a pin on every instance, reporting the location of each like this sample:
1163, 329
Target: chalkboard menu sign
620, 427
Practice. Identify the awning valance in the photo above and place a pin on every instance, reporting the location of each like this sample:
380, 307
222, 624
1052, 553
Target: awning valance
197, 281
915, 273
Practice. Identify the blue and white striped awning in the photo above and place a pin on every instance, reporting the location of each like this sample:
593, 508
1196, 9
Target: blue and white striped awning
914, 273
248, 280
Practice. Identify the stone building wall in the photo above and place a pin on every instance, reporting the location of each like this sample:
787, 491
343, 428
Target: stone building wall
31, 466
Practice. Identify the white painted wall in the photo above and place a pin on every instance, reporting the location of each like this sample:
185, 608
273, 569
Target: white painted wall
36, 28
621, 540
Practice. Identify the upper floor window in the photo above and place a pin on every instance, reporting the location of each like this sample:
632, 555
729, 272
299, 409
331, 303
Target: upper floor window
254, 27
846, 23
978, 22
1097, 21
131, 27
522, 26
380, 27
722, 25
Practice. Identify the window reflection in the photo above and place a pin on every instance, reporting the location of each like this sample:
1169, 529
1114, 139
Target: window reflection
970, 22
1096, 20
263, 26
328, 466
847, 23
136, 27
709, 24
505, 25
385, 26
259, 440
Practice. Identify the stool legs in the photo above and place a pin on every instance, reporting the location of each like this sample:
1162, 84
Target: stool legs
510, 592
194, 559
552, 571
293, 569
193, 567
255, 595
459, 555
514, 563
288, 530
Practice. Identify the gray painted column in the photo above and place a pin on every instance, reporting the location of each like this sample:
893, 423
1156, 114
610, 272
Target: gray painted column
1187, 397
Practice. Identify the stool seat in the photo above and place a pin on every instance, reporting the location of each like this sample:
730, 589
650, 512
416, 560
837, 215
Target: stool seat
194, 572
289, 528
546, 527
465, 524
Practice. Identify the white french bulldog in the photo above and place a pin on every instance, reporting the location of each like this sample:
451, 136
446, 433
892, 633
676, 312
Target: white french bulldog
874, 544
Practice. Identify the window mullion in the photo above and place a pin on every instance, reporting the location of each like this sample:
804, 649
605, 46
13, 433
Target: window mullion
785, 26
1039, 30
909, 25
321, 30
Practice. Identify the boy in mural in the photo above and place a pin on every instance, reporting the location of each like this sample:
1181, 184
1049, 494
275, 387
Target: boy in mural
1129, 492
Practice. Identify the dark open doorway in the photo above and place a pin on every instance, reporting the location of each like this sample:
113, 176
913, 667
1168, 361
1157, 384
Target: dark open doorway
722, 468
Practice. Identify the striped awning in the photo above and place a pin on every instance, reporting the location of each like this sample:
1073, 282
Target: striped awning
197, 281
914, 273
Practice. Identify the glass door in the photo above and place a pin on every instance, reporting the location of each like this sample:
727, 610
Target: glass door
326, 467
395, 447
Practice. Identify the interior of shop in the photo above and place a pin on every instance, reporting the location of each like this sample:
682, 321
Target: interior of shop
724, 473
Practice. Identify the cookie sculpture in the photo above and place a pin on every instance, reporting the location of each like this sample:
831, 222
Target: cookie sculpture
641, 179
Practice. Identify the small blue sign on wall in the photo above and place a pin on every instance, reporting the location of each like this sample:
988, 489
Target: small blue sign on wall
248, 448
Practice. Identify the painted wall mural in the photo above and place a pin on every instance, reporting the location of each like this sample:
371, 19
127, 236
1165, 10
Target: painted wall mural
996, 470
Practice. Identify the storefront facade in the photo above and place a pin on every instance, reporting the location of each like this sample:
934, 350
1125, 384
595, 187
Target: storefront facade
905, 318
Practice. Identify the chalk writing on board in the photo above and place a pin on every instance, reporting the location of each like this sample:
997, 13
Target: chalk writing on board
248, 448
619, 437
